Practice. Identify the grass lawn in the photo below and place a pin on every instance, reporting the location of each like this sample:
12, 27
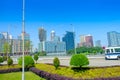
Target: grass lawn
86, 74
17, 76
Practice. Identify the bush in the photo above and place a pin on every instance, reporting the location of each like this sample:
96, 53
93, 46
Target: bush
28, 61
79, 60
56, 62
1, 59
9, 61
10, 70
36, 57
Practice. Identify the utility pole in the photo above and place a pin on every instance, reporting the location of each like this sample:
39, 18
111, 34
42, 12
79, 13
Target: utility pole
23, 32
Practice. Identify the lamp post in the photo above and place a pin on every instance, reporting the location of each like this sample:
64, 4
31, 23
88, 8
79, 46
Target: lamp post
74, 39
23, 30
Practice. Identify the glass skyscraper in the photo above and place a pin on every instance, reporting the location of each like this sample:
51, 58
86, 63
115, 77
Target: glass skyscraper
42, 34
69, 40
113, 39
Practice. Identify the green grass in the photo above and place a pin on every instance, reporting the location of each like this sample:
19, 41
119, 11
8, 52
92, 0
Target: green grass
17, 76
87, 74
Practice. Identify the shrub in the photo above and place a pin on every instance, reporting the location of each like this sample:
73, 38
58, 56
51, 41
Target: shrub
4, 58
9, 61
1, 59
28, 61
36, 57
10, 70
56, 63
79, 60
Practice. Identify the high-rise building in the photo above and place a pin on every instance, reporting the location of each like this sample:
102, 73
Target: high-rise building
42, 34
113, 39
98, 43
69, 40
26, 36
52, 35
53, 47
1, 36
86, 40
6, 35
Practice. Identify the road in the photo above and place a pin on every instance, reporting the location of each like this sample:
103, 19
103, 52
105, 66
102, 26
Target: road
96, 61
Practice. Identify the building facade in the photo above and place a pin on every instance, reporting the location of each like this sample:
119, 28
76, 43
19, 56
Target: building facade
98, 43
53, 47
113, 39
69, 40
42, 34
86, 40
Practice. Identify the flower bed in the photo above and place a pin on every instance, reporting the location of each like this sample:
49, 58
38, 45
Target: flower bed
97, 73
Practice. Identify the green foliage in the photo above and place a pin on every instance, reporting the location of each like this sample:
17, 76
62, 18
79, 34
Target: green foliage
1, 59
89, 74
43, 53
27, 45
4, 58
9, 61
79, 60
36, 57
56, 62
88, 50
28, 61
6, 48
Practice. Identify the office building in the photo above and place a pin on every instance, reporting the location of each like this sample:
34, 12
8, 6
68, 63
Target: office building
52, 35
69, 40
53, 47
86, 40
42, 34
98, 43
26, 36
113, 39
1, 36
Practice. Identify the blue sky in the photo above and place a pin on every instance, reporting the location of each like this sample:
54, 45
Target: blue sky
95, 17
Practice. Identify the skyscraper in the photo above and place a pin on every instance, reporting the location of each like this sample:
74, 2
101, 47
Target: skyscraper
113, 39
42, 34
86, 40
52, 35
69, 40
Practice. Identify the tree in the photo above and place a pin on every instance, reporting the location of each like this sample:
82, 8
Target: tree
9, 61
88, 50
36, 57
28, 61
56, 62
6, 49
79, 60
27, 46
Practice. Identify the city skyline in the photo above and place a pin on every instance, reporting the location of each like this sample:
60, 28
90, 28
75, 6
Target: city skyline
87, 17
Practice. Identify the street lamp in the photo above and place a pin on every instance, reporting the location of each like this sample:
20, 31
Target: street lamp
23, 31
74, 39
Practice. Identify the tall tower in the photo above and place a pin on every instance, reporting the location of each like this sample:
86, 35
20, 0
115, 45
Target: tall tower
42, 34
113, 39
52, 35
69, 40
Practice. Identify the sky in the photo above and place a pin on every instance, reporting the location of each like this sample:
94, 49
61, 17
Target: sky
95, 17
